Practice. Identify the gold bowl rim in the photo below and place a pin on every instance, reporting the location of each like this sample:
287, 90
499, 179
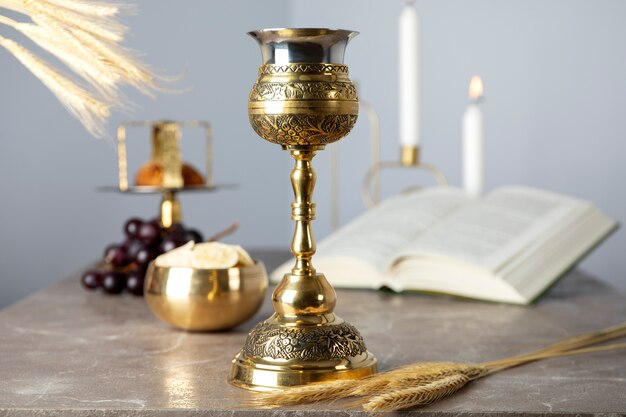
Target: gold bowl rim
257, 263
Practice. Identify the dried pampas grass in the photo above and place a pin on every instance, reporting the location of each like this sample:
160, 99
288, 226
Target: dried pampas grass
85, 36
428, 382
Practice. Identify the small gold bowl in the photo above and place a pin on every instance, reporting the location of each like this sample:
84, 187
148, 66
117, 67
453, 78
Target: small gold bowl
205, 299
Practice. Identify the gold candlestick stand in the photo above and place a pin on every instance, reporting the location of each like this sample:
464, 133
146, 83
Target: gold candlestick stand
302, 100
409, 159
371, 189
166, 136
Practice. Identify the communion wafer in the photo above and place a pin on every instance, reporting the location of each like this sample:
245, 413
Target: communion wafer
208, 255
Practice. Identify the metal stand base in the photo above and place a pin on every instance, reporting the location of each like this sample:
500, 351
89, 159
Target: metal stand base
277, 354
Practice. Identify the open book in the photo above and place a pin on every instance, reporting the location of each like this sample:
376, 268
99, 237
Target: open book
509, 246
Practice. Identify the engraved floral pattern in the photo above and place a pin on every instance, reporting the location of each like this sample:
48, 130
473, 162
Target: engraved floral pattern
302, 129
319, 90
304, 343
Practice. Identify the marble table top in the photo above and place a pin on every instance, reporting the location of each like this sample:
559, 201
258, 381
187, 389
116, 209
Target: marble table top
68, 352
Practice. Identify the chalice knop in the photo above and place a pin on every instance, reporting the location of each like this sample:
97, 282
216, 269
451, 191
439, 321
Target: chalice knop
302, 100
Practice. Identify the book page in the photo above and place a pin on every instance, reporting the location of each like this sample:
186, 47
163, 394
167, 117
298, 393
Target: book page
377, 236
491, 232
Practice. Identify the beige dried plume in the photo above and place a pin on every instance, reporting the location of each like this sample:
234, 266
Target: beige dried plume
85, 36
428, 382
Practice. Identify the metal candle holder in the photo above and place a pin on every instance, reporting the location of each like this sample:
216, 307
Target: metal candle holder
371, 189
409, 159
302, 100
170, 209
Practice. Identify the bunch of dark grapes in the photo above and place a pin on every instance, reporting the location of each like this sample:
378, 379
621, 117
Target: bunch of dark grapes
123, 266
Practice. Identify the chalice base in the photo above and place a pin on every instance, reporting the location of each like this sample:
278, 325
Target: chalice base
283, 352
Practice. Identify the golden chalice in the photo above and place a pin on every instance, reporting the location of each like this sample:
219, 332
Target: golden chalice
302, 100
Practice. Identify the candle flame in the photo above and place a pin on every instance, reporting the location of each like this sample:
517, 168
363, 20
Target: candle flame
476, 88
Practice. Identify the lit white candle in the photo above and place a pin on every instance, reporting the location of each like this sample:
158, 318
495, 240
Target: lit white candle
474, 142
408, 65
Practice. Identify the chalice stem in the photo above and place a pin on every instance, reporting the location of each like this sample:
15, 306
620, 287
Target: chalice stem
303, 179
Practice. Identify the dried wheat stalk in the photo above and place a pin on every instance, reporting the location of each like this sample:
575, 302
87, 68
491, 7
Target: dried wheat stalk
85, 37
414, 396
79, 102
419, 373
102, 25
427, 382
89, 8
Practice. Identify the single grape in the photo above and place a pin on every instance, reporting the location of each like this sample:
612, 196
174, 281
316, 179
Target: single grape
144, 256
134, 283
170, 243
133, 246
116, 255
193, 234
132, 227
113, 282
91, 279
149, 233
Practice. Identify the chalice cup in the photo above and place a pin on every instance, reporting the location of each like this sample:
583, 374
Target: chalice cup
302, 100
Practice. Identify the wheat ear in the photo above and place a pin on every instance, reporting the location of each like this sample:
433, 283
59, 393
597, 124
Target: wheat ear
78, 101
90, 8
120, 61
103, 26
416, 374
52, 37
429, 393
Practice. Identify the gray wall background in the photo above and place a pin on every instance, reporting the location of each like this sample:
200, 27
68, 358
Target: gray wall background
555, 103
